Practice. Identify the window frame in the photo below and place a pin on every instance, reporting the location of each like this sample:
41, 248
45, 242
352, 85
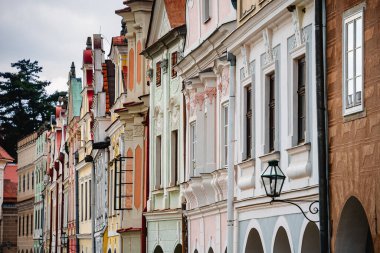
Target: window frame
158, 74
173, 61
193, 144
248, 123
349, 16
224, 135
158, 165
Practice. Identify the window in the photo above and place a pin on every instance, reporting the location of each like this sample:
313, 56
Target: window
353, 62
23, 183
85, 202
89, 190
301, 118
206, 10
31, 224
174, 158
248, 120
81, 202
271, 110
174, 62
193, 143
28, 182
19, 183
32, 180
27, 224
225, 135
158, 162
158, 74
19, 226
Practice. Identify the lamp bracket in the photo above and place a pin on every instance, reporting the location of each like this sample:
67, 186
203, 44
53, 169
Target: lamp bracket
313, 208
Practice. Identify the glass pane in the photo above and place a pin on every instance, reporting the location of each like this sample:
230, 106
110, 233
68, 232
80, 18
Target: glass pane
350, 36
359, 32
350, 65
358, 93
350, 93
359, 60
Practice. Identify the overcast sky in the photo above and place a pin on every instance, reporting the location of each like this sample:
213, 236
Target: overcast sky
54, 33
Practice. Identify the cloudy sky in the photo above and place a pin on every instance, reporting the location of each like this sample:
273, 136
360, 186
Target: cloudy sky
54, 33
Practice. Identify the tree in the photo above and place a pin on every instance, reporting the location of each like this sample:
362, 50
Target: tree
24, 103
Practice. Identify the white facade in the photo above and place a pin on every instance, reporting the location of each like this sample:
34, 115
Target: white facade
271, 45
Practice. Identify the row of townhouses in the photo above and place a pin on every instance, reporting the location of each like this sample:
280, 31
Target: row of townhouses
213, 126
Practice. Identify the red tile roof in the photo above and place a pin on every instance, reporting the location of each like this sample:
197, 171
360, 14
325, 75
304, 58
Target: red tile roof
10, 172
5, 156
176, 12
10, 190
119, 41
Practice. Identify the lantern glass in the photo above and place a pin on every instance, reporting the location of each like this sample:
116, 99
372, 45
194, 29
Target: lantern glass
273, 179
64, 239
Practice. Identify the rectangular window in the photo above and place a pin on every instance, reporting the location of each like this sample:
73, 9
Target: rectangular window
206, 10
31, 224
27, 224
271, 109
81, 202
174, 158
23, 225
89, 190
19, 183
248, 120
19, 226
225, 135
32, 180
158, 74
111, 193
23, 183
174, 62
301, 124
353, 62
193, 143
85, 201
158, 162
28, 182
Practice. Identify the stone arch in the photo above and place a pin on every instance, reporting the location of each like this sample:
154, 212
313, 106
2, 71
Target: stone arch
210, 250
353, 234
178, 248
254, 242
253, 225
281, 223
281, 242
158, 249
310, 240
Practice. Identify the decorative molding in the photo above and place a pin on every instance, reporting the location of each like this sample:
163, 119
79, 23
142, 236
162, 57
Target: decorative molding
210, 94
128, 134
270, 54
138, 131
299, 34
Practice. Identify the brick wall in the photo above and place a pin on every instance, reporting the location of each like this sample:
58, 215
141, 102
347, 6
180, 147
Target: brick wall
354, 143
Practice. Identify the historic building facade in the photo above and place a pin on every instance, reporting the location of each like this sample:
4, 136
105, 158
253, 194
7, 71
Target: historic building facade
39, 176
73, 143
165, 44
26, 154
274, 113
354, 127
205, 73
8, 203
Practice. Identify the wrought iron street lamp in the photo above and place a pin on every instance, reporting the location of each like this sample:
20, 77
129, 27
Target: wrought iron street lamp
273, 180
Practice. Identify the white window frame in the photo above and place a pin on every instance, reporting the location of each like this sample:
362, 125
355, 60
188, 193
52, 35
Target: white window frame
351, 16
193, 146
295, 55
224, 136
206, 10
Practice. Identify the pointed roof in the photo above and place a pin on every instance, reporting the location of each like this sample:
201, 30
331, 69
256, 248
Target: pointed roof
167, 15
5, 156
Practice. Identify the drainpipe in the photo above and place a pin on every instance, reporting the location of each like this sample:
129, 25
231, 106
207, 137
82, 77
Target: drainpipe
230, 159
77, 211
320, 41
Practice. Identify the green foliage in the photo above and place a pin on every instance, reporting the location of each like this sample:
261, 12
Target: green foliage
24, 103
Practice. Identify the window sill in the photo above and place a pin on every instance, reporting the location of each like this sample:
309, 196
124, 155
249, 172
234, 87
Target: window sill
355, 115
158, 191
173, 188
247, 163
274, 155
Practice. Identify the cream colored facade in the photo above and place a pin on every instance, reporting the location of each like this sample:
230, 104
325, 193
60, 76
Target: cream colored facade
25, 194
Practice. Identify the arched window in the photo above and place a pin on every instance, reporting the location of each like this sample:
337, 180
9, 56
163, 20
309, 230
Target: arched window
254, 243
210, 250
